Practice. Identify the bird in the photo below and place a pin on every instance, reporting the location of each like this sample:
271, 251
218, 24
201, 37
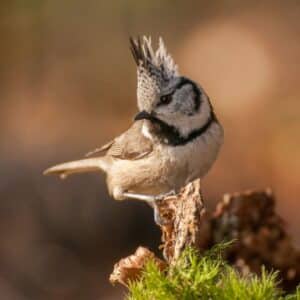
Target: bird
174, 138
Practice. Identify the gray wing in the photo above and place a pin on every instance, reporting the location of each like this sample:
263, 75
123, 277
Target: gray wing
132, 144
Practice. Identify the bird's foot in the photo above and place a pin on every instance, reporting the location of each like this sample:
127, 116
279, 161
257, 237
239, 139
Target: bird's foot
154, 202
162, 196
158, 218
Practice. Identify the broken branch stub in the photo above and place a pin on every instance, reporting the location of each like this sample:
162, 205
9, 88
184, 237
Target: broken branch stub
185, 221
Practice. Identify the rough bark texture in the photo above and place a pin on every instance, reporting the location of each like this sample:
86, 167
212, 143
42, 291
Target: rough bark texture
249, 218
186, 221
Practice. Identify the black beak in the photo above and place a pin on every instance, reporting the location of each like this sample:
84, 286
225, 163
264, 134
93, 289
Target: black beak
143, 115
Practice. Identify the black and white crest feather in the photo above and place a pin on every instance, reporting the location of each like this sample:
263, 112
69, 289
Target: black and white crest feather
158, 62
154, 69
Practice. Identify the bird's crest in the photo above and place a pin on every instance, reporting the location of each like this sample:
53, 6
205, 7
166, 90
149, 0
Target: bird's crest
157, 63
154, 69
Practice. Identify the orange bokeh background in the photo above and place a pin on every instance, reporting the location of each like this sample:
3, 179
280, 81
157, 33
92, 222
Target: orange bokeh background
68, 84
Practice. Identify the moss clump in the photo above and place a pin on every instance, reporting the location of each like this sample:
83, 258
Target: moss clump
206, 276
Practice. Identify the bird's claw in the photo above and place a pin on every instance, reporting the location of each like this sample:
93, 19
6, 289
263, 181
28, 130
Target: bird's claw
164, 195
159, 220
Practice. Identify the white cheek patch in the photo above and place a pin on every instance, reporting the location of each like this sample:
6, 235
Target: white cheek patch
146, 132
184, 100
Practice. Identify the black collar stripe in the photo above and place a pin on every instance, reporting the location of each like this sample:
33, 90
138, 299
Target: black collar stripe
171, 136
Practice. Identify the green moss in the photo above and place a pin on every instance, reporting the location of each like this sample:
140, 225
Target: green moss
207, 276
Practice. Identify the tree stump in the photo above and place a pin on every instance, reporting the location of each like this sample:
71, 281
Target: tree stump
248, 218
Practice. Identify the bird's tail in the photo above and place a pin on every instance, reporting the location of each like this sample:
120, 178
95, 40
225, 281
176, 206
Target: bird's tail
78, 166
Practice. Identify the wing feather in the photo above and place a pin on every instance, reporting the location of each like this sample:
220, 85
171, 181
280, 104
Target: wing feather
131, 145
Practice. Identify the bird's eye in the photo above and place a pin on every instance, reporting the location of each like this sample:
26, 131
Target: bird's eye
166, 99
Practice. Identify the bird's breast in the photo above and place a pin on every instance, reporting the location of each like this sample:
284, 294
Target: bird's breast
194, 159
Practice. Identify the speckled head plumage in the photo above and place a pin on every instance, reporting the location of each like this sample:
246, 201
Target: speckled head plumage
165, 95
155, 69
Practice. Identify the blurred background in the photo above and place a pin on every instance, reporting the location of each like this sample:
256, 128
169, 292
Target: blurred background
68, 84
